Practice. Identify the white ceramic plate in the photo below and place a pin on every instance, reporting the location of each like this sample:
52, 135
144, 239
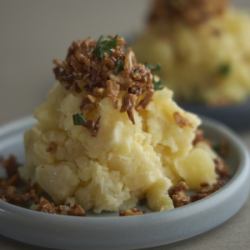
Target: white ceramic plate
110, 231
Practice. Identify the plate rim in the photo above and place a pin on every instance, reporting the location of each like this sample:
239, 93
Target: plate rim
242, 172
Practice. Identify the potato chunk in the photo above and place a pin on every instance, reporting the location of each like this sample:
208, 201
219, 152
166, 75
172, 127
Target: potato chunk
197, 168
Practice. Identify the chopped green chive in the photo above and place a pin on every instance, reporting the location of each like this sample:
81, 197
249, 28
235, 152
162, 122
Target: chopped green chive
79, 119
119, 66
224, 69
153, 67
157, 83
104, 45
156, 79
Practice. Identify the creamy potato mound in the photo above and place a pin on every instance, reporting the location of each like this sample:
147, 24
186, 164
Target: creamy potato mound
124, 163
205, 63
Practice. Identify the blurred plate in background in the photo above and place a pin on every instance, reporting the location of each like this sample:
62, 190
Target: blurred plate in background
235, 116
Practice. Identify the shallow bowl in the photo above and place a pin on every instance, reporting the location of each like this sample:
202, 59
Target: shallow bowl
109, 231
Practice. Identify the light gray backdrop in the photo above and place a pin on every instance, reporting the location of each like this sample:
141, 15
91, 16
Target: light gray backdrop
34, 32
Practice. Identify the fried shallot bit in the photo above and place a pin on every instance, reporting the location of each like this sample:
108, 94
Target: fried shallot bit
10, 165
129, 61
128, 104
221, 169
199, 137
105, 68
46, 206
191, 12
98, 92
146, 100
88, 104
206, 190
179, 194
76, 210
13, 195
93, 126
131, 212
113, 90
181, 121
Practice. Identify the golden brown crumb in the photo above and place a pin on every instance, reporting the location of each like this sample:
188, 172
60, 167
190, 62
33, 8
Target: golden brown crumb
88, 104
199, 137
98, 92
191, 12
93, 126
13, 195
45, 206
76, 210
145, 101
128, 104
205, 191
179, 194
131, 212
10, 164
17, 192
181, 121
221, 168
113, 90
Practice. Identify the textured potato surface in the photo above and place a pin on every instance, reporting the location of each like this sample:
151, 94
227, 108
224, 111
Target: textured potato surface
124, 163
209, 63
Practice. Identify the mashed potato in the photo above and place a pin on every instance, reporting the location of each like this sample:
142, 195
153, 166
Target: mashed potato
208, 63
139, 147
123, 163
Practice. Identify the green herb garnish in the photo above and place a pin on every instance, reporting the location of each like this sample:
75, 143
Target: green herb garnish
156, 79
119, 66
104, 45
224, 69
153, 67
79, 119
157, 83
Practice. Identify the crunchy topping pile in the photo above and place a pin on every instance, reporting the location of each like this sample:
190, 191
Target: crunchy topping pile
192, 12
44, 205
17, 192
105, 68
